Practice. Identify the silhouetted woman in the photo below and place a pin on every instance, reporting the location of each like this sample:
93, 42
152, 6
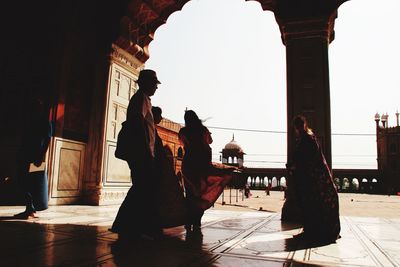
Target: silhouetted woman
204, 182
171, 202
313, 184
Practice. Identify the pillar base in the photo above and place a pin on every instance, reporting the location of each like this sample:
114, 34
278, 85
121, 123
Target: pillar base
105, 196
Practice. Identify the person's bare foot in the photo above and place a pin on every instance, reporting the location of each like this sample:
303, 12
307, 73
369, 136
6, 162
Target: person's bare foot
26, 215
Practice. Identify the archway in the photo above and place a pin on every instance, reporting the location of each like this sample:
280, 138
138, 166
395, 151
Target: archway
345, 184
83, 65
365, 185
355, 185
266, 181
180, 153
305, 74
274, 182
249, 180
283, 182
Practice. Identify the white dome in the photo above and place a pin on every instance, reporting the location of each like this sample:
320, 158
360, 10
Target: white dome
233, 145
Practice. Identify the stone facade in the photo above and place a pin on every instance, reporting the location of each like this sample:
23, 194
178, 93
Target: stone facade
388, 151
75, 177
168, 132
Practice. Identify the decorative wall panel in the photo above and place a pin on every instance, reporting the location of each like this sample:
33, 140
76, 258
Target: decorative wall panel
67, 171
69, 167
117, 170
121, 88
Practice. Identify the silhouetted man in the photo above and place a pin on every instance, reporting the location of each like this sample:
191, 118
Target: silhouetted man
36, 133
137, 215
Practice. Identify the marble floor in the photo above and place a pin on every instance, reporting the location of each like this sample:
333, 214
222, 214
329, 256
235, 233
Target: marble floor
79, 236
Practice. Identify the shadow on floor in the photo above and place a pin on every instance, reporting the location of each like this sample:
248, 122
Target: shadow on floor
186, 250
7, 218
81, 245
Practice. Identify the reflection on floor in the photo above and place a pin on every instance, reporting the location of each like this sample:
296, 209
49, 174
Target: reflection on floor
79, 236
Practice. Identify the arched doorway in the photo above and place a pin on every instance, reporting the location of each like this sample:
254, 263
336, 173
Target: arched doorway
78, 62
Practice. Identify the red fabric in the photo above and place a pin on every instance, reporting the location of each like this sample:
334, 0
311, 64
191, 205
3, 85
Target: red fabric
211, 185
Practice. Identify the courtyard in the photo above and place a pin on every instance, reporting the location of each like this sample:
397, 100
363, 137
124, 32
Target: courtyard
235, 234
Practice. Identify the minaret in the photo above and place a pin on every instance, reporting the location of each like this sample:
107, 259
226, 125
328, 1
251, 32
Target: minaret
397, 118
384, 120
377, 119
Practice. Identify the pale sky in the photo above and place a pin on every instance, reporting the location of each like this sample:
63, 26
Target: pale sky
225, 60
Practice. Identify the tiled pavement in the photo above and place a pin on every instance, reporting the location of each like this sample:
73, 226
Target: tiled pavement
79, 236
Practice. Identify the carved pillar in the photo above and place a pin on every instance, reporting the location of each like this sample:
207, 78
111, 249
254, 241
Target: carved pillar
111, 176
307, 42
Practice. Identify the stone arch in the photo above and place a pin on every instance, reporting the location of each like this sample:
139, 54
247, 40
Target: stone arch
137, 29
345, 183
373, 185
355, 184
180, 153
266, 180
274, 182
143, 19
298, 12
364, 185
283, 181
168, 151
261, 184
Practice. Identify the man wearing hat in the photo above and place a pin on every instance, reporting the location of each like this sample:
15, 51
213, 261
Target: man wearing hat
140, 108
138, 214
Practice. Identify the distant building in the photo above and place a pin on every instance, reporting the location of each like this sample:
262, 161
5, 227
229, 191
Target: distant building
388, 151
168, 132
232, 154
257, 178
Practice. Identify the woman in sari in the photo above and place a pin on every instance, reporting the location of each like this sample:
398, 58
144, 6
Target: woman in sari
314, 187
204, 182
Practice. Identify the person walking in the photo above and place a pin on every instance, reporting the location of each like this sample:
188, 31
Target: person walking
138, 216
171, 201
204, 182
314, 187
36, 136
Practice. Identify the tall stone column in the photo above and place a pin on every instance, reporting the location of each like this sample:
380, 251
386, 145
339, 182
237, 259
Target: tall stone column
109, 178
306, 40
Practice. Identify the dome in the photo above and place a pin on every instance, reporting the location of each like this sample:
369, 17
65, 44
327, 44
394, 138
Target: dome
233, 145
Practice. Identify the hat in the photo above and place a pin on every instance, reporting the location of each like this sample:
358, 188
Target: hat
148, 75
